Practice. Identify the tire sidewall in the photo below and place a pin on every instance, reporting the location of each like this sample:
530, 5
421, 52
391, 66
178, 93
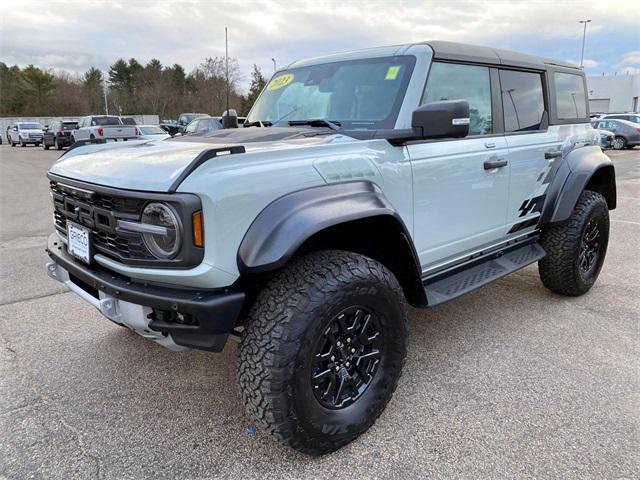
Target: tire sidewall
334, 425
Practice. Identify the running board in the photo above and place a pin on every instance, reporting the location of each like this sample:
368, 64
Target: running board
442, 289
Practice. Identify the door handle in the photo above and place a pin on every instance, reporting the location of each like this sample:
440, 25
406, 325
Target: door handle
489, 145
491, 164
552, 155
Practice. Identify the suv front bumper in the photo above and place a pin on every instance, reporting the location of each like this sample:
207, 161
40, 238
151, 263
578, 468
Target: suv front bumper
138, 305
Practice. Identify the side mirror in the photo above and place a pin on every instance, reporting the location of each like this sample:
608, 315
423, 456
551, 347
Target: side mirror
46, 127
444, 119
230, 119
76, 127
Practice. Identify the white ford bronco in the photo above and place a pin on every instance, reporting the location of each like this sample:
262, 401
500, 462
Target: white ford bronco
360, 182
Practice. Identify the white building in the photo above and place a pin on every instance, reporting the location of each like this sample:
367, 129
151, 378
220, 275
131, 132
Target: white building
614, 93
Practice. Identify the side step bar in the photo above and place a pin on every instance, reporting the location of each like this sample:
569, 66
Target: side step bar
444, 288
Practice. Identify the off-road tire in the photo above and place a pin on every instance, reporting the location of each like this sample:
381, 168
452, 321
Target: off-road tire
277, 350
560, 269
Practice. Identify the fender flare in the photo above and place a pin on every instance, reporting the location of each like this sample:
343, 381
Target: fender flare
286, 223
573, 174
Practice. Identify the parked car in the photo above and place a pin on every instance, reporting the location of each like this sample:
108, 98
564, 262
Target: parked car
630, 117
151, 132
102, 128
202, 126
361, 182
58, 134
627, 134
24, 133
185, 119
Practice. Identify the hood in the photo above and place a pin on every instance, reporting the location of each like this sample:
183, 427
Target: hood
155, 165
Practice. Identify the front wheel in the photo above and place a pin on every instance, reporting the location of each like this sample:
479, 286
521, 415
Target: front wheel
576, 247
619, 143
323, 349
23, 143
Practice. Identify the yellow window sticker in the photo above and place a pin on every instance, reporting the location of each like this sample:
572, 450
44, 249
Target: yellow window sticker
281, 81
392, 73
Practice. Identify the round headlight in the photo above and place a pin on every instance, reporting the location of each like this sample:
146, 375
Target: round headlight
165, 241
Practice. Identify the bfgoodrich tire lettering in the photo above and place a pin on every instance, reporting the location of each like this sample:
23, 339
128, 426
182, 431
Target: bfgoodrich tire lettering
277, 354
576, 247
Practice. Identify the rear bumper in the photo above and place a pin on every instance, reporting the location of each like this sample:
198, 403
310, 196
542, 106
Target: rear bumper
212, 314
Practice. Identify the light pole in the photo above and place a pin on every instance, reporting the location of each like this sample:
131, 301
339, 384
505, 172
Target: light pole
104, 91
274, 65
584, 36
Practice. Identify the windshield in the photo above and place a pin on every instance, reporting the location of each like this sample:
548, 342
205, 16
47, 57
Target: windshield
152, 131
356, 94
30, 126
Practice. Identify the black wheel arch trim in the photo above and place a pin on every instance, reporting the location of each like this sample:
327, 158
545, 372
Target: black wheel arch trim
572, 175
287, 222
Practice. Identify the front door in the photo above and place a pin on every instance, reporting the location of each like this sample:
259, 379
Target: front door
460, 201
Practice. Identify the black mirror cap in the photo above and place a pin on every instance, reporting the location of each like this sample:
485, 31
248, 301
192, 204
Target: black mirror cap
230, 119
443, 119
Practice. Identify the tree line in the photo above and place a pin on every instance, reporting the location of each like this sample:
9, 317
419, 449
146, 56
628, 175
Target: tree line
132, 88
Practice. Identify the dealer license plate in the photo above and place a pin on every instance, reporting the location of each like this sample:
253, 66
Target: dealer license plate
79, 242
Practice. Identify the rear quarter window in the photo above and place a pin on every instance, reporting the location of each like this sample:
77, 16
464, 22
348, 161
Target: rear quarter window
571, 98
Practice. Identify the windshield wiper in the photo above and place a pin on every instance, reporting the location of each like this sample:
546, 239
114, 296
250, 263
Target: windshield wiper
319, 122
257, 123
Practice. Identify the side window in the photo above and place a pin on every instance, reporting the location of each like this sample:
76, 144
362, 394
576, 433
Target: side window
203, 126
522, 100
450, 81
192, 126
571, 99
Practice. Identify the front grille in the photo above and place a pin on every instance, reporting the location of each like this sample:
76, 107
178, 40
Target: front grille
99, 213
35, 136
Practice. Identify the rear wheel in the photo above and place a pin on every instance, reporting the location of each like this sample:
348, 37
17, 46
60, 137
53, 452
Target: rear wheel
22, 143
619, 143
323, 350
44, 145
576, 247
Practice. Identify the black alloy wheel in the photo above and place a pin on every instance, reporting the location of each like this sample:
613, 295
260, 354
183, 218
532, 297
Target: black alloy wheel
347, 356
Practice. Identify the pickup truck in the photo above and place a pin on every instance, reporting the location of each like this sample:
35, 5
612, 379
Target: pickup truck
102, 128
359, 184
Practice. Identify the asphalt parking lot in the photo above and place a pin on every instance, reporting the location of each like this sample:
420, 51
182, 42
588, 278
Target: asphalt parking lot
510, 381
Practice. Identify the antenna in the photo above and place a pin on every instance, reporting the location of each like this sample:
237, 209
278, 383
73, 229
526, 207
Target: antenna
226, 57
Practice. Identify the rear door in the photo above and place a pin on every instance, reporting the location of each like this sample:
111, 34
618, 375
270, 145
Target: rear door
529, 140
459, 203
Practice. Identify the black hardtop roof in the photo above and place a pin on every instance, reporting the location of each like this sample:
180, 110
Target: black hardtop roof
480, 54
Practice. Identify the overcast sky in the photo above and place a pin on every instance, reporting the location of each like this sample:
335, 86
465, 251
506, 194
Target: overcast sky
78, 34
